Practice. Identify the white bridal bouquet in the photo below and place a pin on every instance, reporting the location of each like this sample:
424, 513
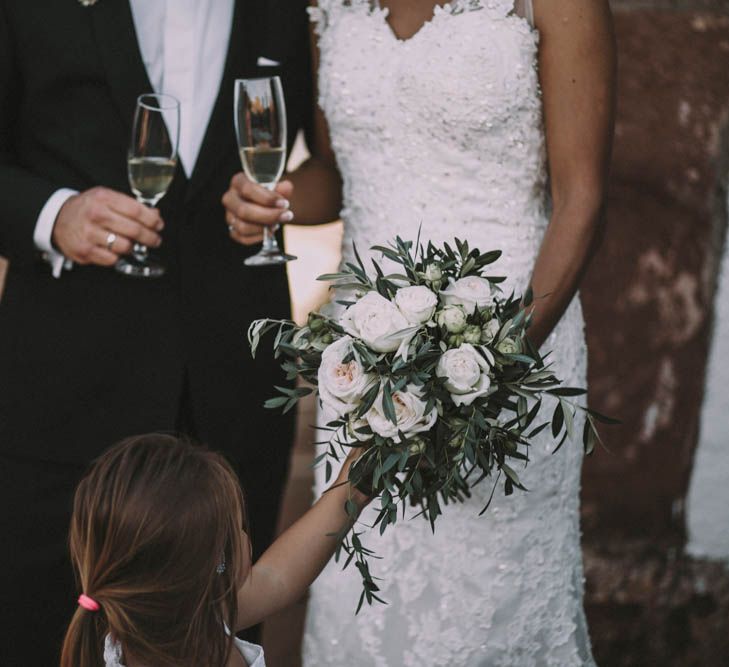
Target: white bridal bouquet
430, 372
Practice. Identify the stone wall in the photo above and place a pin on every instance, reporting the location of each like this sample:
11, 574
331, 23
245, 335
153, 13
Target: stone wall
649, 301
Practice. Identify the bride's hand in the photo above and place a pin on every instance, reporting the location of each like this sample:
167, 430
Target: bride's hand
250, 207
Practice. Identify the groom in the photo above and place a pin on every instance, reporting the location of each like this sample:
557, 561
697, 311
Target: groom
88, 355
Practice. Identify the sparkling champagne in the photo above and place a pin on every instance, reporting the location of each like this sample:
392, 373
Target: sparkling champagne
150, 177
263, 164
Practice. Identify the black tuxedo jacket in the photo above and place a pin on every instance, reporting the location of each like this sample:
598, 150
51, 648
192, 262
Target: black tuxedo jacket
94, 355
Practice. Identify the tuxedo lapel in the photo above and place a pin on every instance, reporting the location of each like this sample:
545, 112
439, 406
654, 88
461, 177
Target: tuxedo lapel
117, 42
220, 135
126, 75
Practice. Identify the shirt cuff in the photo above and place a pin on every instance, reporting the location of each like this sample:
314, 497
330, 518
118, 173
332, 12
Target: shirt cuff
43, 234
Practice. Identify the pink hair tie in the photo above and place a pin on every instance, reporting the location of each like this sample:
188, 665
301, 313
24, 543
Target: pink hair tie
87, 603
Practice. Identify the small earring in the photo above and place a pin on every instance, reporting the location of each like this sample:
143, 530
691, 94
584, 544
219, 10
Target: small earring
221, 566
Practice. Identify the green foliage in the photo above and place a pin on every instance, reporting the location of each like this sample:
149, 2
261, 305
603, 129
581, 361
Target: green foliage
485, 441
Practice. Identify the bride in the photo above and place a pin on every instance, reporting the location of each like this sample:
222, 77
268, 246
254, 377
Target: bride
490, 122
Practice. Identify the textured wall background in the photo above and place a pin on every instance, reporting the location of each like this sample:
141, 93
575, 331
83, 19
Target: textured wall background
649, 301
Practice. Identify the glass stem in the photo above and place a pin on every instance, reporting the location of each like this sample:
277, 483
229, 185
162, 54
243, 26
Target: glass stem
140, 252
270, 244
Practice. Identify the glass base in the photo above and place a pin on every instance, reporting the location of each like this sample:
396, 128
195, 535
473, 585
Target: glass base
147, 268
269, 258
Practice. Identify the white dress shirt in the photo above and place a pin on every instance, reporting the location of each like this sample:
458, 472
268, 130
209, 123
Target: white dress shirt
184, 45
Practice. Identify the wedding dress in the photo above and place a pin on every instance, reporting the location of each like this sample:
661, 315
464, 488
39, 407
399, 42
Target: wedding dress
444, 131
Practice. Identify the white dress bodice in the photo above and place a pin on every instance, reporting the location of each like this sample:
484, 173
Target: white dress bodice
442, 130
443, 133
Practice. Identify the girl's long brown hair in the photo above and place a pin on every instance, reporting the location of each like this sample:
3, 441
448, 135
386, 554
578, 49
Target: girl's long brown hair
152, 522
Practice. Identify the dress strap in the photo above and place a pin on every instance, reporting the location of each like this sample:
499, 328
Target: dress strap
525, 8
529, 7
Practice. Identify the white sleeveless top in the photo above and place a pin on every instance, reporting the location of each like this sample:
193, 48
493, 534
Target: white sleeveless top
252, 653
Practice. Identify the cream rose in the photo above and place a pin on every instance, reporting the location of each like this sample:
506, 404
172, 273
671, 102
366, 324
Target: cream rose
342, 385
471, 293
466, 373
378, 323
409, 412
416, 303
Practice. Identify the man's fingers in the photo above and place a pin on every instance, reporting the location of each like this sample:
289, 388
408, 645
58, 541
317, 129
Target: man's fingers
285, 189
131, 229
242, 232
245, 240
251, 191
260, 215
102, 257
130, 208
111, 240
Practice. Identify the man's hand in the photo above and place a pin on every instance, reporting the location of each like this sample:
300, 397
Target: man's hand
250, 207
99, 225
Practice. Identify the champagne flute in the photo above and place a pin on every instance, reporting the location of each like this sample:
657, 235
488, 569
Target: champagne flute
260, 126
151, 164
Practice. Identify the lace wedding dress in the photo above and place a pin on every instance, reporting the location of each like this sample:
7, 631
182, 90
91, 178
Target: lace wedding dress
444, 130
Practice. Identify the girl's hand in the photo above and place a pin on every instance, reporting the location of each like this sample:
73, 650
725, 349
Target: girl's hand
361, 499
249, 207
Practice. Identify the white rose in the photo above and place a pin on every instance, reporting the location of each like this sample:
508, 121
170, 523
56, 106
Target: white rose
417, 303
489, 331
466, 373
378, 323
342, 385
409, 413
471, 292
453, 318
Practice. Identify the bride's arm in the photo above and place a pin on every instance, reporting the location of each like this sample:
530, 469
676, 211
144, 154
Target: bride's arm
283, 573
313, 190
577, 70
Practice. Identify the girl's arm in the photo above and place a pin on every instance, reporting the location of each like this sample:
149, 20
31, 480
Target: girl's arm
311, 195
284, 572
577, 70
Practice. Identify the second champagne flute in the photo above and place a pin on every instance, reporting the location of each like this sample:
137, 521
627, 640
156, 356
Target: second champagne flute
260, 126
151, 165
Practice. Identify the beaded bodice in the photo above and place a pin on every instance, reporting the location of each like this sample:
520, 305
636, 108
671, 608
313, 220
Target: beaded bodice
443, 129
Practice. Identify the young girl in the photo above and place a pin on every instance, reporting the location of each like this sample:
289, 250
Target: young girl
163, 562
